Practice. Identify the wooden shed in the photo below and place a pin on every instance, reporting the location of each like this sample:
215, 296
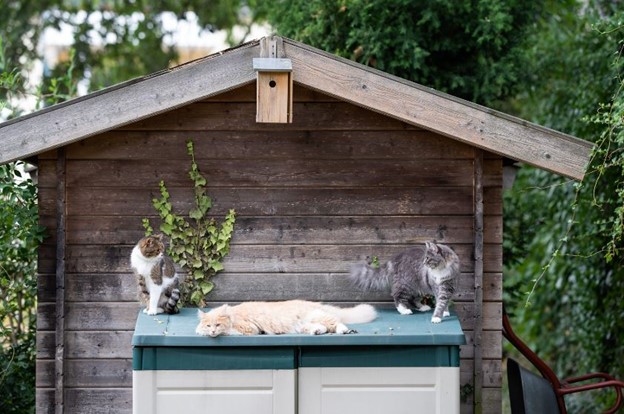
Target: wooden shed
369, 165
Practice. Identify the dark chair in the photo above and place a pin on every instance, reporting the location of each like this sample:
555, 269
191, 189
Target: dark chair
530, 393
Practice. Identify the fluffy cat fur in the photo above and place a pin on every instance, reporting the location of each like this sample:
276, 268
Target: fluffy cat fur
271, 318
412, 274
157, 280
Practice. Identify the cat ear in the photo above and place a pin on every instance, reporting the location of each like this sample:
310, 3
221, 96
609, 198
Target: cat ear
225, 309
159, 236
200, 313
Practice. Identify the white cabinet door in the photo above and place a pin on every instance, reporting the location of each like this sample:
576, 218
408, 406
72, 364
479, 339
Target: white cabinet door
223, 392
378, 390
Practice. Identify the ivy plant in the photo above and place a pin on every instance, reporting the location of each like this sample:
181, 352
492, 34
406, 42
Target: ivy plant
197, 244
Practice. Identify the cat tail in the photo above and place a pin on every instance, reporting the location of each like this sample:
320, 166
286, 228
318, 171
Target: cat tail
369, 278
172, 302
362, 313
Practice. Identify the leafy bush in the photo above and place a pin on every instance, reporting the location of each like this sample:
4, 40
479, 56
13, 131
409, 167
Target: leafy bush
20, 235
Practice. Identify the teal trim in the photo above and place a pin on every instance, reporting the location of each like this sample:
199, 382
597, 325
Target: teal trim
454, 353
230, 358
137, 358
375, 356
390, 328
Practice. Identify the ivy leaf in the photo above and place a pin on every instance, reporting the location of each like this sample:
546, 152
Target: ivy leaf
166, 228
196, 297
217, 266
196, 214
206, 287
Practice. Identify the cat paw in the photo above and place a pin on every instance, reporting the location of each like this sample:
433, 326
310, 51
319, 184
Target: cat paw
403, 310
152, 311
315, 329
145, 310
446, 314
424, 308
436, 319
344, 330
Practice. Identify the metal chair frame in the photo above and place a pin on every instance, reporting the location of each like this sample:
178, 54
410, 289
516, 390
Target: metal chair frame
567, 385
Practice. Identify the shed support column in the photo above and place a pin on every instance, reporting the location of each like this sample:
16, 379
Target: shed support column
478, 282
61, 212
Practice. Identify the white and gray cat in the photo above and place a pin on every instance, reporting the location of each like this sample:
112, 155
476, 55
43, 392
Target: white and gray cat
425, 270
157, 280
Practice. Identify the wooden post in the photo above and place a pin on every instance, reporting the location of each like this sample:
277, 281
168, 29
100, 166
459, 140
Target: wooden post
59, 357
478, 282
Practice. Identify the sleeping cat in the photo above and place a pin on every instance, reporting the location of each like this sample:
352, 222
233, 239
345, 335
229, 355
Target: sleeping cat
413, 274
156, 276
293, 316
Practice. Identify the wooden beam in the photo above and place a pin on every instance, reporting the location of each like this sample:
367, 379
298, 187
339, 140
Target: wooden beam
439, 112
59, 356
478, 282
126, 103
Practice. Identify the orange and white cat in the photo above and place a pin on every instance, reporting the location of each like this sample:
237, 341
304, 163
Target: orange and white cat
293, 316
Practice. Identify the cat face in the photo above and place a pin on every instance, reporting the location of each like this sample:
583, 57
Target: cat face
214, 323
152, 246
434, 256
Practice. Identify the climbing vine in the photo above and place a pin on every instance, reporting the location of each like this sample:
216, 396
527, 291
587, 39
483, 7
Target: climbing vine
198, 244
602, 188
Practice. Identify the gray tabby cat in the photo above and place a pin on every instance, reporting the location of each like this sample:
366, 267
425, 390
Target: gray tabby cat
156, 276
413, 274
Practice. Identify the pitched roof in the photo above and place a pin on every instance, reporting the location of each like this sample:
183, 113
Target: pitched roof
360, 85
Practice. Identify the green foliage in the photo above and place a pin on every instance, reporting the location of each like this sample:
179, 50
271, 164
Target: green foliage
563, 239
200, 245
20, 236
471, 49
135, 38
131, 37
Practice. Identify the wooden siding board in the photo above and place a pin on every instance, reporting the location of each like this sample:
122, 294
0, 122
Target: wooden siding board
233, 287
267, 258
120, 230
276, 145
99, 400
326, 116
91, 373
281, 201
277, 174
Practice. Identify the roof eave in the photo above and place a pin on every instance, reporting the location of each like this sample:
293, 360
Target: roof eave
126, 103
447, 115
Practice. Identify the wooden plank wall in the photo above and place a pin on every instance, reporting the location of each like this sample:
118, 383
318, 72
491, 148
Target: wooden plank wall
336, 186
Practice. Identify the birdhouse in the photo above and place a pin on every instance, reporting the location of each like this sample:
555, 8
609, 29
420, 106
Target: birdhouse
273, 90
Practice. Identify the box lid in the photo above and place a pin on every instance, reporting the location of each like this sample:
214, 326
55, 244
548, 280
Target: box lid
390, 328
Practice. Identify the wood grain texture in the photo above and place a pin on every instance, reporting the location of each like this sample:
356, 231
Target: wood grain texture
99, 400
125, 103
264, 258
282, 144
282, 202
233, 287
120, 230
449, 116
91, 401
92, 373
320, 116
277, 174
